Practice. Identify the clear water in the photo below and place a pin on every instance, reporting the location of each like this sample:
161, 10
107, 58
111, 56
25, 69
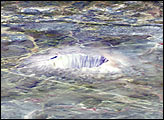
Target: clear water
128, 34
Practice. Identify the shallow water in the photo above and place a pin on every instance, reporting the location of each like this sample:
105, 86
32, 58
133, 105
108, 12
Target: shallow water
130, 32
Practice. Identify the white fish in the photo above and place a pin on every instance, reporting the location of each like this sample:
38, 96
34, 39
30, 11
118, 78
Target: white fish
78, 61
86, 60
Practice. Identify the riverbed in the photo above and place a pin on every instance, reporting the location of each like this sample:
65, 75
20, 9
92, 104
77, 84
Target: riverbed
130, 31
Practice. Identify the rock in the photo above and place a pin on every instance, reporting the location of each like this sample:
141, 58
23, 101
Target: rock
13, 50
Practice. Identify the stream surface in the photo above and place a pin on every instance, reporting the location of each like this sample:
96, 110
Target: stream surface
54, 57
